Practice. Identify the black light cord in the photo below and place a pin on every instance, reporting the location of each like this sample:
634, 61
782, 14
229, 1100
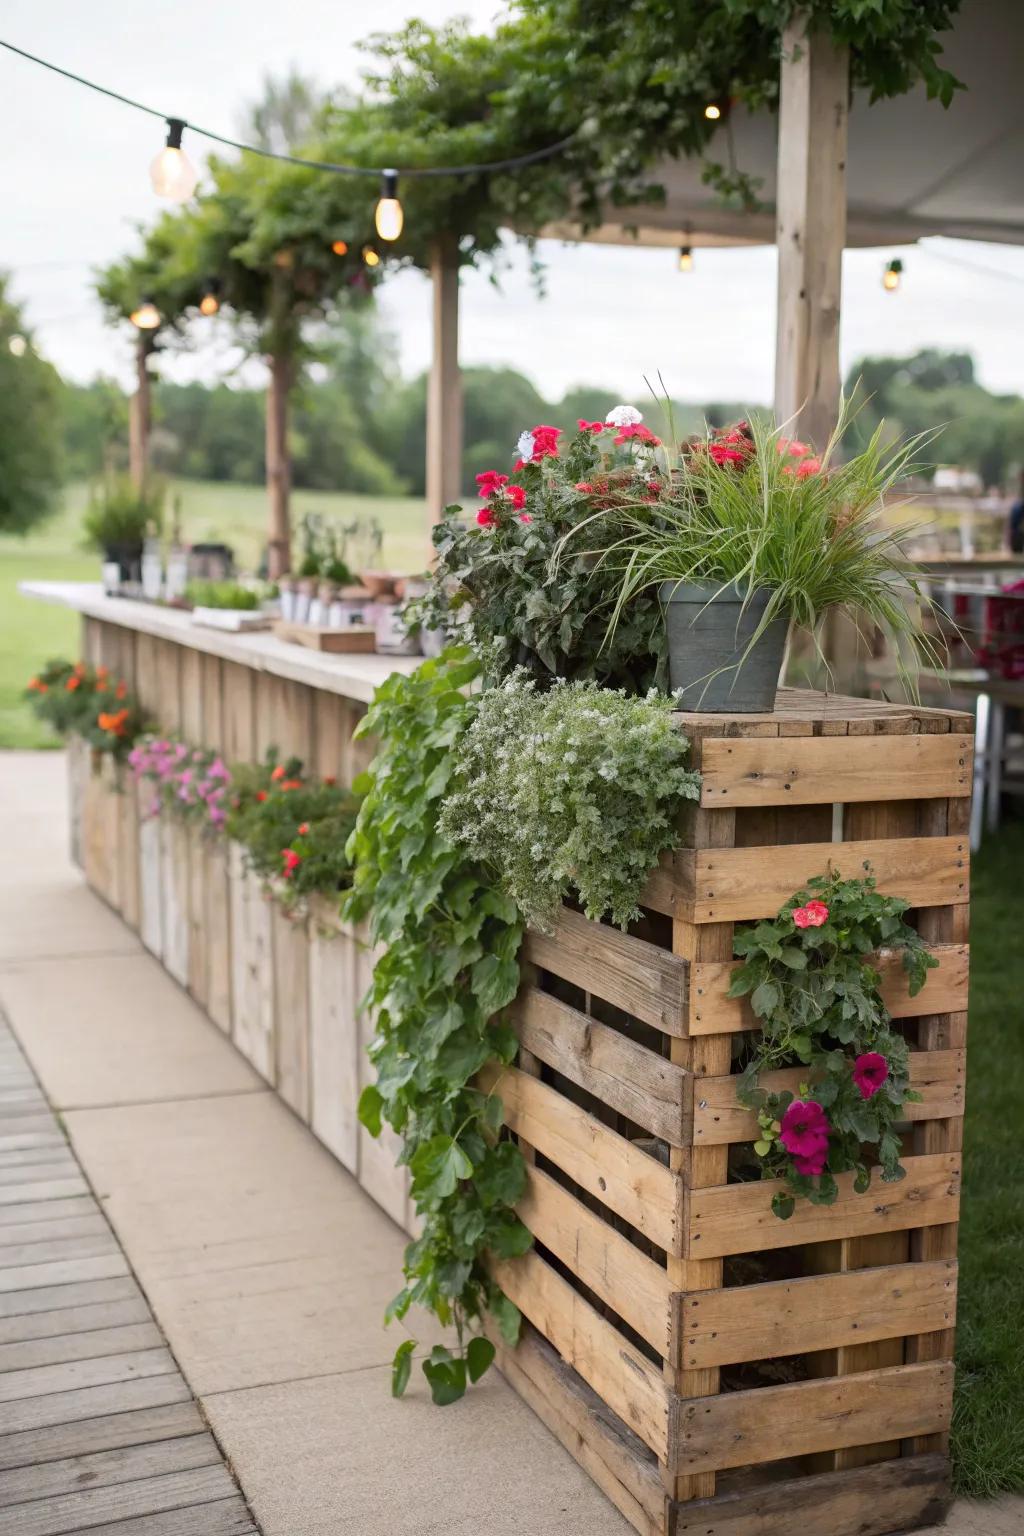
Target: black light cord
513, 163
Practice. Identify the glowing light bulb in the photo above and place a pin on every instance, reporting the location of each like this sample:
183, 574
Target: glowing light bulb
146, 317
18, 345
891, 275
712, 111
685, 258
209, 304
370, 256
340, 247
172, 173
389, 217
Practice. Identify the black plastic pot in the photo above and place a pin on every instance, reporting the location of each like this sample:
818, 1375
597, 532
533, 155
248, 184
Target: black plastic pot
709, 630
128, 557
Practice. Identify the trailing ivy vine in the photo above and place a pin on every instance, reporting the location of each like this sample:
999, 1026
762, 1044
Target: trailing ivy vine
812, 984
448, 970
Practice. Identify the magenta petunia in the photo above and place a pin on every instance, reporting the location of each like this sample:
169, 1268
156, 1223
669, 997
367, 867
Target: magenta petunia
869, 1073
804, 1131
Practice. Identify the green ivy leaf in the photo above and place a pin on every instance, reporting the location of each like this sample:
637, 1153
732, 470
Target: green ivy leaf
783, 1205
447, 1380
370, 1105
501, 1178
508, 1316
401, 1367
437, 1167
480, 1354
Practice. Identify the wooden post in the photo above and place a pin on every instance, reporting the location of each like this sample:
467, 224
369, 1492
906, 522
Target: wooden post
444, 389
140, 414
811, 229
279, 467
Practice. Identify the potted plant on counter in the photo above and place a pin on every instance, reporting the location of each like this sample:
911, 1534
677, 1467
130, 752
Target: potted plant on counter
118, 518
751, 535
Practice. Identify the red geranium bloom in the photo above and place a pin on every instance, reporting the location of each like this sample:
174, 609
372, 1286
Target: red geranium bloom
638, 433
545, 442
524, 517
489, 482
869, 1073
813, 915
291, 861
292, 784
278, 773
584, 486
486, 518
304, 829
723, 455
804, 1129
517, 496
73, 682
590, 426
261, 795
808, 467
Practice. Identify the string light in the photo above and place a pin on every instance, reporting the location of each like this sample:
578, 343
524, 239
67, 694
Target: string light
146, 317
712, 111
891, 275
389, 217
685, 258
339, 247
210, 301
172, 173
370, 256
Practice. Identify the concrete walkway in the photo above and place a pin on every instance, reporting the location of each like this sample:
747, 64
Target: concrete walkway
265, 1265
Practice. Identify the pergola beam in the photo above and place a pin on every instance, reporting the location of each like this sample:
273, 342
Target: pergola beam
810, 229
444, 387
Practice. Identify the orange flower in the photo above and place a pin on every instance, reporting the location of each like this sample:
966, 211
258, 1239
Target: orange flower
121, 691
73, 682
278, 773
102, 673
292, 784
330, 779
114, 724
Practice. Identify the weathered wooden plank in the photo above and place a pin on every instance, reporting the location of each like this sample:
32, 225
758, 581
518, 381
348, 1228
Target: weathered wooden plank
291, 1008
619, 1173
198, 947
217, 892
50, 1189
36, 1172
46, 1298
607, 1449
72, 1375
88, 1225
128, 847
737, 1429
118, 1501
213, 711
174, 841
30, 1277
168, 669
60, 1349
736, 884
85, 1436
238, 712
34, 1413
938, 1076
101, 1469
333, 1036
80, 1245
613, 1268
252, 978
620, 1072
64, 1322
47, 1210
737, 1218
379, 1171
711, 1011
820, 769
191, 695
221, 1517
898, 1495
151, 882
788, 1317
630, 1385
645, 981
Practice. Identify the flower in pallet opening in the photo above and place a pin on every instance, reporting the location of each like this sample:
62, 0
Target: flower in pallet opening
804, 1135
869, 1073
813, 915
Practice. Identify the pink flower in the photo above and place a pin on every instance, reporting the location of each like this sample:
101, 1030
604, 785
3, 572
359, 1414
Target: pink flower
636, 431
813, 1164
291, 861
808, 467
804, 1131
490, 482
516, 496
584, 486
486, 518
869, 1073
813, 915
590, 426
524, 517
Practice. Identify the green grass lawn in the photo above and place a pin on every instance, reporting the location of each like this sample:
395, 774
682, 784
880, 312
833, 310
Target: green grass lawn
30, 632
988, 1439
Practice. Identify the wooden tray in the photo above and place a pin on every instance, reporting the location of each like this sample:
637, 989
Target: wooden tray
317, 637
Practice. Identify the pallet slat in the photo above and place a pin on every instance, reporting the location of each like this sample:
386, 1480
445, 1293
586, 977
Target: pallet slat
790, 771
711, 1011
645, 981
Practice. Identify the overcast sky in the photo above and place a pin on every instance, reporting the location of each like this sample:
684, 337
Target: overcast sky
76, 184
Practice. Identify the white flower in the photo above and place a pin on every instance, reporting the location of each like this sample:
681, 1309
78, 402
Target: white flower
524, 446
622, 416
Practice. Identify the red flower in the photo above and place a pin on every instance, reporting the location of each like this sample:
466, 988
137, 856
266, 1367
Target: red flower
261, 795
524, 517
869, 1073
590, 426
73, 682
804, 1131
490, 482
291, 861
584, 486
516, 495
722, 455
278, 773
808, 467
486, 518
121, 691
813, 915
292, 784
329, 779
304, 829
638, 433
545, 443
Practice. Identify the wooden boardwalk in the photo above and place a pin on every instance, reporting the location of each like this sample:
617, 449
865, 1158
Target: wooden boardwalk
99, 1432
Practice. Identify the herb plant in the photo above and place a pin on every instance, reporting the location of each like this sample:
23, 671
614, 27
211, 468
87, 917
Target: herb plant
222, 594
811, 982
448, 971
576, 789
